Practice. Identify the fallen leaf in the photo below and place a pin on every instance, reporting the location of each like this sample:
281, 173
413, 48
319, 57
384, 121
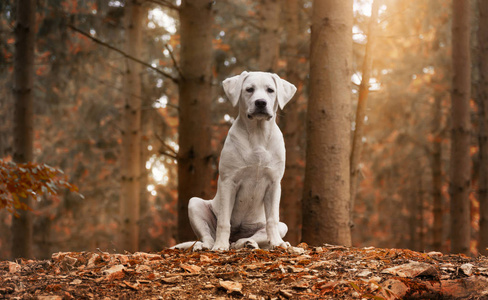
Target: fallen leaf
295, 250
395, 287
132, 286
191, 268
76, 282
412, 269
94, 258
286, 293
13, 267
300, 285
204, 258
143, 268
114, 269
364, 273
467, 269
231, 286
50, 297
173, 279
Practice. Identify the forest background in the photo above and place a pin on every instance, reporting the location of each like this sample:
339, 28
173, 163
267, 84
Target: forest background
84, 50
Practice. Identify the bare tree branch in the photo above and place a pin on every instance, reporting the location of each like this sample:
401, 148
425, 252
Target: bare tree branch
169, 155
163, 143
165, 74
174, 61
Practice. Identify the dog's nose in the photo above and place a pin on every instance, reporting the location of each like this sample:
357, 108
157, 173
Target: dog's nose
260, 103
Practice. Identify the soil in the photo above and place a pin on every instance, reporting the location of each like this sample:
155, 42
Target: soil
327, 272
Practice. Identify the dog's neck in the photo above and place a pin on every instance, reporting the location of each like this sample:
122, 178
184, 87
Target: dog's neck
258, 131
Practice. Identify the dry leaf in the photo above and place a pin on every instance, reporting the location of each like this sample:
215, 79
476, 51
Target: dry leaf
204, 258
13, 267
76, 282
231, 286
412, 269
143, 268
300, 285
191, 268
114, 269
467, 269
173, 279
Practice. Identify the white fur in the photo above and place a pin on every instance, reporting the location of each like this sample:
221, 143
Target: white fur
245, 210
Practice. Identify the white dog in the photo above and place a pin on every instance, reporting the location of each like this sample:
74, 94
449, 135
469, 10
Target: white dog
245, 210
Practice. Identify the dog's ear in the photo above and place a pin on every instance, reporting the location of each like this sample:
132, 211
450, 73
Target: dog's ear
233, 86
285, 90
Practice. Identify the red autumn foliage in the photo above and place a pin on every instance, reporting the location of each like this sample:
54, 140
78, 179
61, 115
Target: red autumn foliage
28, 179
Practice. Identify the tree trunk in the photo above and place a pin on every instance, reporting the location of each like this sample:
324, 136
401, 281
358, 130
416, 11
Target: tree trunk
438, 224
357, 142
413, 214
25, 34
483, 125
326, 197
269, 40
131, 134
460, 169
195, 90
291, 193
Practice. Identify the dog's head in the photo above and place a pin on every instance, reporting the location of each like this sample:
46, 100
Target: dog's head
258, 93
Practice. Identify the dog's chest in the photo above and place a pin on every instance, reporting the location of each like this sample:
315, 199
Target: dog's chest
259, 157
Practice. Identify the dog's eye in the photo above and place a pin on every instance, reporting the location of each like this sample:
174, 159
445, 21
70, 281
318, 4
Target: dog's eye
250, 90
270, 90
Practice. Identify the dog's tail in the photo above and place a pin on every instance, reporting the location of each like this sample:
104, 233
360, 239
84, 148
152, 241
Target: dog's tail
185, 245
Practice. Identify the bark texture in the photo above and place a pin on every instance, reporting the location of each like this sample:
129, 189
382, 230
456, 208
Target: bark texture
357, 142
460, 168
269, 40
131, 134
22, 228
291, 126
195, 90
483, 125
436, 160
326, 197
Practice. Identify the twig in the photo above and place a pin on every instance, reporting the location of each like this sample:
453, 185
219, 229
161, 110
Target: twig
167, 75
174, 61
163, 143
169, 155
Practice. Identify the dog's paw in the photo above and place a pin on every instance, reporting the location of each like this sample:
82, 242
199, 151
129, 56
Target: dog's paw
281, 243
245, 243
198, 246
220, 246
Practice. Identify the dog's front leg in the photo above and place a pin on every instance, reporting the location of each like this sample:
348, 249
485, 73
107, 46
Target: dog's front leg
223, 206
272, 211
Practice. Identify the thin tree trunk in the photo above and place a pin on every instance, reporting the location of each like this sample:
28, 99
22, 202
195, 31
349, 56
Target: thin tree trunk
131, 134
326, 197
436, 160
460, 169
195, 90
421, 217
357, 143
412, 220
269, 40
292, 180
22, 227
483, 126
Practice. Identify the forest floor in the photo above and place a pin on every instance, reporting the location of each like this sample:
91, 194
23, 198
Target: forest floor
327, 272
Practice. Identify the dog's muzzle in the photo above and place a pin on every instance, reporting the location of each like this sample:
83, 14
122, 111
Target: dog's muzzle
259, 111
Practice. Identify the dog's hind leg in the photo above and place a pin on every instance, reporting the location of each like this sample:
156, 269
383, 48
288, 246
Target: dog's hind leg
203, 222
259, 239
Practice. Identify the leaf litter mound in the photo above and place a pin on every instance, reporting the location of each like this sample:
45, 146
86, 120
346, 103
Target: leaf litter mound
327, 272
